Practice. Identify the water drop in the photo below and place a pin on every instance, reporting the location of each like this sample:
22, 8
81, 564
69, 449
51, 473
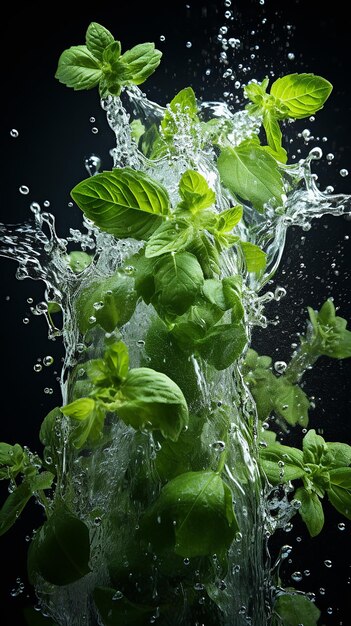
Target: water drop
199, 587
316, 153
92, 164
37, 367
92, 319
162, 38
280, 366
322, 591
25, 320
344, 172
14, 133
48, 360
92, 119
329, 610
24, 190
328, 563
329, 156
188, 44
46, 203
70, 204
141, 343
49, 391
227, 14
186, 561
118, 595
98, 305
291, 56
279, 293
341, 526
307, 572
227, 3
97, 521
296, 576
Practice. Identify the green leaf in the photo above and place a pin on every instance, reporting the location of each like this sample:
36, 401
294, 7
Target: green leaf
114, 609
311, 510
91, 418
78, 68
339, 493
151, 400
282, 463
302, 94
274, 136
296, 610
341, 454
314, 447
178, 279
184, 103
255, 258
79, 260
291, 403
97, 39
60, 551
14, 505
145, 277
193, 515
169, 237
222, 345
232, 291
229, 218
142, 60
263, 386
206, 254
252, 174
124, 202
195, 192
41, 481
116, 359
195, 323
79, 409
11, 460
213, 291
109, 302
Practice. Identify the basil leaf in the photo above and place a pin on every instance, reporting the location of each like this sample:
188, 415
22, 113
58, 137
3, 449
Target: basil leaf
311, 510
145, 277
79, 409
116, 359
142, 60
14, 505
291, 403
232, 291
109, 301
97, 39
341, 477
206, 254
339, 493
150, 400
255, 258
11, 460
169, 237
274, 136
78, 68
314, 447
178, 279
229, 218
114, 609
41, 481
213, 291
222, 345
124, 202
296, 610
184, 103
91, 418
195, 323
281, 463
341, 454
193, 515
60, 551
302, 94
195, 192
251, 174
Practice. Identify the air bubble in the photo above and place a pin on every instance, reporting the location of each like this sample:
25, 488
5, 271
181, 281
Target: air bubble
329, 156
344, 172
24, 190
94, 130
162, 38
118, 595
316, 153
218, 445
92, 119
25, 320
92, 164
279, 293
188, 44
341, 526
92, 319
14, 133
291, 56
48, 360
46, 203
296, 577
49, 391
37, 367
280, 366
328, 563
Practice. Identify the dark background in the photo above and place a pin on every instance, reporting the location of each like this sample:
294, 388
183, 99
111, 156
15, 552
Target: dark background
55, 136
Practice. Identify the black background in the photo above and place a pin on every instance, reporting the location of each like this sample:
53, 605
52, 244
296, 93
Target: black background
55, 136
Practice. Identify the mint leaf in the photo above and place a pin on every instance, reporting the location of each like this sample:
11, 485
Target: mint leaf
11, 460
195, 192
229, 218
79, 409
222, 345
124, 202
206, 254
193, 515
142, 60
91, 418
97, 39
314, 447
14, 505
60, 551
78, 68
252, 174
151, 400
274, 136
255, 258
121, 611
296, 610
183, 104
291, 403
178, 279
169, 237
311, 510
302, 94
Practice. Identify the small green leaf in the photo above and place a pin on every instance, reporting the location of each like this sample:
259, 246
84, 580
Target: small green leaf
41, 481
314, 447
339, 493
114, 609
341, 453
255, 258
11, 460
302, 94
79, 409
142, 60
232, 291
274, 136
291, 403
311, 510
282, 463
193, 515
195, 192
124, 202
137, 129
206, 254
229, 218
78, 68
116, 359
296, 610
151, 400
184, 103
252, 174
222, 345
60, 551
14, 505
178, 279
97, 39
263, 387
169, 237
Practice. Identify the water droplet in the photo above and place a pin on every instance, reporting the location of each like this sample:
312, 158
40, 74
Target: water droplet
322, 591
94, 130
329, 610
279, 293
70, 204
344, 172
141, 343
25, 320
24, 190
199, 587
37, 367
280, 366
162, 38
92, 119
219, 446
97, 521
118, 595
186, 561
14, 133
227, 14
48, 360
223, 30
92, 319
188, 44
291, 56
48, 390
98, 305
329, 156
296, 576
307, 572
316, 153
341, 526
92, 164
328, 563
46, 203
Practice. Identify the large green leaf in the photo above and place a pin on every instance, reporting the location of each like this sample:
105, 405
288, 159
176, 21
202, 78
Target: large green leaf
296, 610
291, 403
255, 258
14, 505
222, 344
141, 60
341, 454
314, 447
151, 400
178, 279
60, 551
124, 202
97, 39
252, 174
169, 237
311, 510
193, 515
78, 68
302, 94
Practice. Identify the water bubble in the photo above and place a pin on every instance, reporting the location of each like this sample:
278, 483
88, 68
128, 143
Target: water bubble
92, 119
162, 38
70, 204
37, 367
14, 133
279, 293
98, 305
329, 156
296, 577
97, 521
92, 164
24, 190
329, 610
199, 587
329, 189
188, 44
328, 563
291, 56
227, 3
307, 573
218, 445
322, 591
228, 14
285, 551
280, 366
48, 390
316, 153
46, 203
25, 320
341, 526
223, 30
186, 561
118, 595
344, 172
92, 319
48, 360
